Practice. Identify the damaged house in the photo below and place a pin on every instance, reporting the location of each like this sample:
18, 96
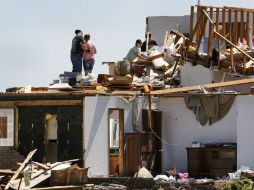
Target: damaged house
116, 132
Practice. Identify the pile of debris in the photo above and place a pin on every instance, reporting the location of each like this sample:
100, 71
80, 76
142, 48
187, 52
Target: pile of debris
30, 174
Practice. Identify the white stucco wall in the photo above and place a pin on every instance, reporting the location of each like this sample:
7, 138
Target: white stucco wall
180, 128
96, 127
245, 131
96, 131
195, 75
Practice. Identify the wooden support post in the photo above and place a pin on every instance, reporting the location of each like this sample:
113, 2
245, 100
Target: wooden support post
203, 29
236, 28
248, 28
242, 26
194, 31
244, 65
232, 59
150, 112
223, 22
253, 23
199, 17
203, 32
16, 132
229, 25
191, 19
217, 29
211, 36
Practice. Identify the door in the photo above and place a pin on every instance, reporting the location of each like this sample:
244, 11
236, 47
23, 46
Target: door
116, 129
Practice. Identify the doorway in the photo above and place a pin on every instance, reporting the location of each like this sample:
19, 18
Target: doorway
51, 138
116, 138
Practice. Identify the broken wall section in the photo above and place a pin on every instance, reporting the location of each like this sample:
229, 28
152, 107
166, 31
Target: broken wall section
180, 128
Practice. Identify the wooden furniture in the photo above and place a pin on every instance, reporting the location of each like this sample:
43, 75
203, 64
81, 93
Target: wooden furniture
140, 152
211, 161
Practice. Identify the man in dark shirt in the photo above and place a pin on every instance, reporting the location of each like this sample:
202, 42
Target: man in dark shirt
151, 43
77, 51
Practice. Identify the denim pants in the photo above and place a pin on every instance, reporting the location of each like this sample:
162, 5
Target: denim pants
76, 63
88, 64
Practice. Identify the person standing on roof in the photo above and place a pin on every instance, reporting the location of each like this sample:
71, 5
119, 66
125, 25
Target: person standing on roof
89, 54
151, 42
134, 52
77, 51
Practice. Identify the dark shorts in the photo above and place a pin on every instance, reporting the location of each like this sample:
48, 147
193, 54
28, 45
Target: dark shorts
88, 64
76, 63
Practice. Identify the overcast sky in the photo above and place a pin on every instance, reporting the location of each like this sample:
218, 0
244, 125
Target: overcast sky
35, 36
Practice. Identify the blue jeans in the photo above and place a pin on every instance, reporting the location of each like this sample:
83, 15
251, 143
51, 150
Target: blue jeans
76, 63
88, 64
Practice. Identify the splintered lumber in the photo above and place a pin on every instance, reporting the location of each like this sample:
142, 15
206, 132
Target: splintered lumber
59, 187
39, 176
228, 41
55, 165
40, 165
7, 172
195, 88
23, 165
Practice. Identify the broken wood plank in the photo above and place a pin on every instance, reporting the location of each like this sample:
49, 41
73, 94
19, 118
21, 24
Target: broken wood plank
29, 156
211, 85
53, 166
211, 36
40, 165
59, 187
39, 103
7, 172
33, 182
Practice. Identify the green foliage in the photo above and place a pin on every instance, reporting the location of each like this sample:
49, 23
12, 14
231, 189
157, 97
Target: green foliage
243, 184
